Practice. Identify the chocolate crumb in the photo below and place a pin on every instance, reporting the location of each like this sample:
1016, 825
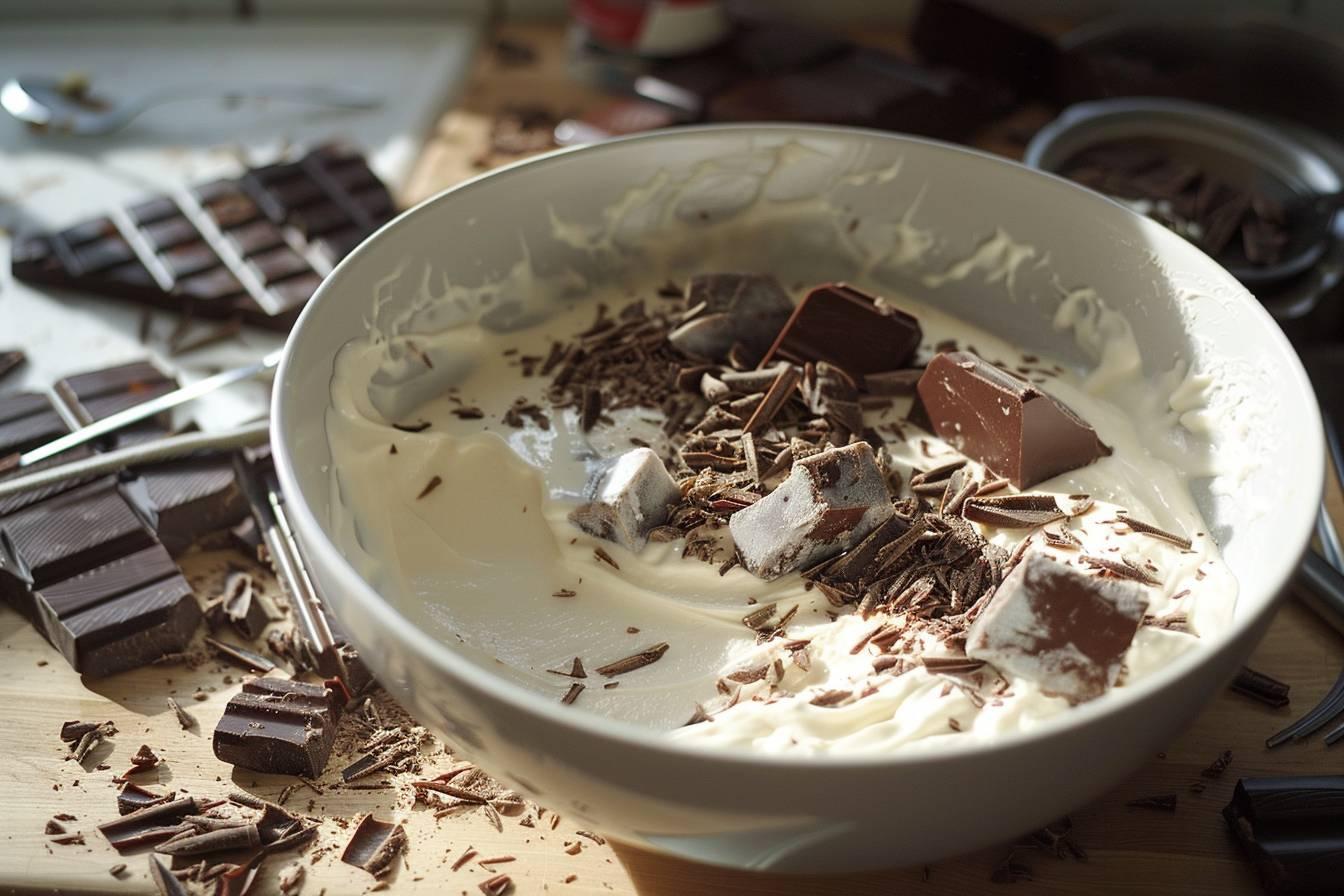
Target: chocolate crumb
1218, 766
184, 718
591, 409
468, 413
117, 870
412, 427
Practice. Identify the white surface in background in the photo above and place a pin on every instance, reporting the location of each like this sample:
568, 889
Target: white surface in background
49, 180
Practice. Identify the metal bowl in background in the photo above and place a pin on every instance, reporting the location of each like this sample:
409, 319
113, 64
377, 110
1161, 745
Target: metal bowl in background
1233, 147
925, 209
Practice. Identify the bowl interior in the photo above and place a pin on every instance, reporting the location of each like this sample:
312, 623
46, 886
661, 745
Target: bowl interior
1036, 259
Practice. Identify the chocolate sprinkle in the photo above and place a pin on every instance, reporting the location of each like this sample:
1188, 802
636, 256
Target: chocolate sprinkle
1120, 569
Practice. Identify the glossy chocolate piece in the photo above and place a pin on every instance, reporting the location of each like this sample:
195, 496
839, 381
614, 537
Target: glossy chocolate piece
968, 37
1004, 422
829, 503
289, 223
1064, 629
193, 497
279, 727
849, 329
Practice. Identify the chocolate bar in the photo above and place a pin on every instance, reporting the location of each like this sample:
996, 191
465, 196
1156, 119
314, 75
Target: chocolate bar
1003, 421
27, 420
1290, 829
969, 38
848, 329
279, 727
254, 248
1058, 626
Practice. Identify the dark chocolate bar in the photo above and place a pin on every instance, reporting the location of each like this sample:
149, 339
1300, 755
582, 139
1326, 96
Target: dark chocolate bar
27, 420
279, 727
253, 249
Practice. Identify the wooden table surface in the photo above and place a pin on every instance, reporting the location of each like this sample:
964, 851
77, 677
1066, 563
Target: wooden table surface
1130, 851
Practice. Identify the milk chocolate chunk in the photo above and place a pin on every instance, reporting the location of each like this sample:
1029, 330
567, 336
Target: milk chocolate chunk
279, 727
849, 329
1004, 422
630, 499
1058, 626
828, 503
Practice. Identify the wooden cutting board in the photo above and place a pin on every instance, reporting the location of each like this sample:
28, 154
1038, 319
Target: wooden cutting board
1129, 850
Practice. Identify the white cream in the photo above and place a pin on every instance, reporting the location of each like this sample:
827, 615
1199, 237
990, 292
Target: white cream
478, 560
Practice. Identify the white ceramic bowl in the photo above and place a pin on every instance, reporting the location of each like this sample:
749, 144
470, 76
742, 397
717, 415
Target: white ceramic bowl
923, 206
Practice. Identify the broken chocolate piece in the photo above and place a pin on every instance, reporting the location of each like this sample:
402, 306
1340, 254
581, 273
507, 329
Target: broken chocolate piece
1058, 626
1004, 422
850, 329
828, 503
630, 498
279, 727
242, 605
374, 845
1289, 829
727, 309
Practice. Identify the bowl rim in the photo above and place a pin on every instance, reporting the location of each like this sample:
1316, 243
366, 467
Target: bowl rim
320, 548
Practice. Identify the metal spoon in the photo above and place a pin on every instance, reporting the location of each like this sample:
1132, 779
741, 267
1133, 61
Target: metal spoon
60, 106
1310, 221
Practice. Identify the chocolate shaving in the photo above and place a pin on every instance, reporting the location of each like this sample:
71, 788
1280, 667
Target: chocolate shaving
241, 656
573, 693
184, 718
1149, 529
468, 412
412, 427
467, 855
601, 554
1120, 569
433, 483
1163, 803
636, 661
1013, 511
374, 845
497, 885
775, 397
1261, 687
575, 671
951, 665
221, 840
163, 879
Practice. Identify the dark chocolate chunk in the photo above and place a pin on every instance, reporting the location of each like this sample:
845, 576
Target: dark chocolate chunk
279, 727
1290, 830
849, 329
121, 615
1059, 627
967, 37
374, 845
1004, 422
747, 308
27, 420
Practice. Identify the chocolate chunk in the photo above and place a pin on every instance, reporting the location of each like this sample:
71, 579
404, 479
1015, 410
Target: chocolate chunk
152, 824
1290, 830
828, 503
329, 191
242, 606
849, 329
120, 615
10, 361
725, 309
1004, 422
630, 498
27, 420
279, 727
1059, 627
967, 37
374, 845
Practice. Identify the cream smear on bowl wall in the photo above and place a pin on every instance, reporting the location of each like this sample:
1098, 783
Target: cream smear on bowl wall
460, 517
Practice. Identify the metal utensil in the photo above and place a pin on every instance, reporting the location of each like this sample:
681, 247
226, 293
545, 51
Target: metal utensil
54, 105
141, 411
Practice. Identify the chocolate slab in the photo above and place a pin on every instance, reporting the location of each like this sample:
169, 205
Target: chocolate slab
273, 234
968, 37
120, 615
279, 727
1004, 422
1065, 629
849, 329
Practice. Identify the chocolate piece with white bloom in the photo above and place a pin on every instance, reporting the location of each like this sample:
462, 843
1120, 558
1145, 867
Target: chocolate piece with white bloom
828, 503
1063, 628
631, 497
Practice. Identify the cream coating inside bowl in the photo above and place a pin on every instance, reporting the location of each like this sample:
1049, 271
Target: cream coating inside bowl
477, 561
